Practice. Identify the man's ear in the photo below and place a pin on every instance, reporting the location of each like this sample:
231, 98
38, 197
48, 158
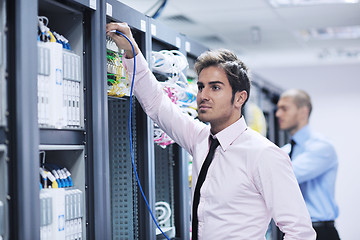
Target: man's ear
240, 98
304, 112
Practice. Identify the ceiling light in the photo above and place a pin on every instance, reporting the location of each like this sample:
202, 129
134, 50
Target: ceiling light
284, 3
349, 32
328, 54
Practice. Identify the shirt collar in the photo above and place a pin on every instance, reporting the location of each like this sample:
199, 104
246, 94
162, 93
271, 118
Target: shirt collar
302, 135
227, 136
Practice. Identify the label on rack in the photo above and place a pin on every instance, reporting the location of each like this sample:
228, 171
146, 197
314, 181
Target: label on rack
187, 46
143, 25
178, 42
92, 4
109, 9
153, 29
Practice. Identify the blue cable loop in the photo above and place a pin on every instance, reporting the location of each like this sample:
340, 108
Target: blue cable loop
131, 146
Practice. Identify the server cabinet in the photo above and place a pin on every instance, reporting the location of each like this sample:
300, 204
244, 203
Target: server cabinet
50, 127
61, 113
266, 96
171, 175
129, 214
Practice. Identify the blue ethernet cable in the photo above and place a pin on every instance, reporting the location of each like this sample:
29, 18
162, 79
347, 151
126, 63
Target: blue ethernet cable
52, 168
62, 182
131, 146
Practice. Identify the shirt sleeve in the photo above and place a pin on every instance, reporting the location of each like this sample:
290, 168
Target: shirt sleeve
181, 127
277, 184
319, 156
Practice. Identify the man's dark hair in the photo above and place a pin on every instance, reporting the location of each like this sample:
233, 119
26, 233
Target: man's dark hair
235, 69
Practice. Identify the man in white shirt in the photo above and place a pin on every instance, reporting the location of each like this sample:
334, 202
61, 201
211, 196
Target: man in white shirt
250, 180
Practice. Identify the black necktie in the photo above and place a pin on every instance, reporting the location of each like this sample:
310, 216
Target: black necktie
292, 142
199, 183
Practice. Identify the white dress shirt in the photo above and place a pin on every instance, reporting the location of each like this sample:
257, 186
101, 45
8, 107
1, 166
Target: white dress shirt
249, 181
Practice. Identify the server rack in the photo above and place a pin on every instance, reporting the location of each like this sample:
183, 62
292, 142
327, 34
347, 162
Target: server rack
129, 213
168, 162
163, 172
29, 138
65, 146
266, 96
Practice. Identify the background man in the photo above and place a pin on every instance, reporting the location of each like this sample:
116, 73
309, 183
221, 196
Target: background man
314, 161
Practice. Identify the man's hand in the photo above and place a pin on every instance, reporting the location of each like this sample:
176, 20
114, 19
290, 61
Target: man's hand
120, 41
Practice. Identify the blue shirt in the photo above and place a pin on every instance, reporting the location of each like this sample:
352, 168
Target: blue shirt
315, 166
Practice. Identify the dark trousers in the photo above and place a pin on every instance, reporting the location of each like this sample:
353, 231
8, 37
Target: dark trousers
326, 233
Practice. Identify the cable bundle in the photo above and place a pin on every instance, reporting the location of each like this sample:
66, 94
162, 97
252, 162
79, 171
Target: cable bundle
170, 64
163, 212
117, 78
161, 138
54, 176
46, 35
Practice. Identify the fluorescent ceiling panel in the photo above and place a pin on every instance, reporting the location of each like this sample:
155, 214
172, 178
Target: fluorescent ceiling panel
330, 33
